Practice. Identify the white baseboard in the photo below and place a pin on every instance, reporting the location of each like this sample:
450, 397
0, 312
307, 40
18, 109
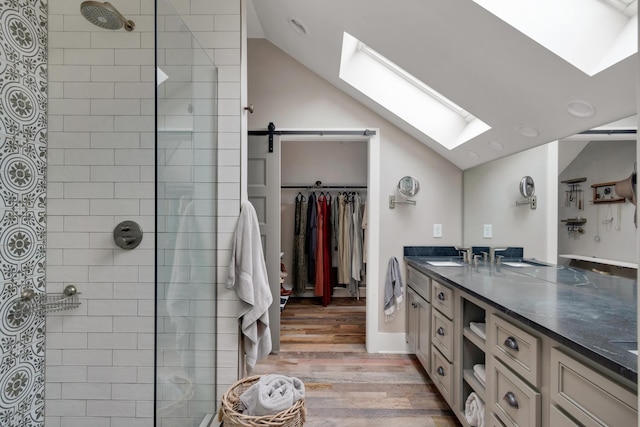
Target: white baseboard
387, 343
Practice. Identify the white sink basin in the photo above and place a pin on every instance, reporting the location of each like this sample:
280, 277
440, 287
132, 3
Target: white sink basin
516, 264
444, 263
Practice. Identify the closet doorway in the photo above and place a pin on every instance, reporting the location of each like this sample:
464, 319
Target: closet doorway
335, 159
325, 171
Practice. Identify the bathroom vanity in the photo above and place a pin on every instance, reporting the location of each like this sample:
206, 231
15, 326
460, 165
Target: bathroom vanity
558, 344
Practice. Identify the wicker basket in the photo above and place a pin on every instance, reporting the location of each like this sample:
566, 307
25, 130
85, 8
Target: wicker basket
293, 417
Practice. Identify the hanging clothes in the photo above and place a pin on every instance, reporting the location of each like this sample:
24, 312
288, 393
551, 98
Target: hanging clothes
299, 254
335, 231
356, 236
326, 264
320, 242
311, 237
365, 237
344, 270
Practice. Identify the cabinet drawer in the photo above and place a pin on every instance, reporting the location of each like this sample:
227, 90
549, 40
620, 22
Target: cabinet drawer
588, 396
516, 348
557, 418
515, 402
419, 282
494, 421
442, 298
442, 375
442, 333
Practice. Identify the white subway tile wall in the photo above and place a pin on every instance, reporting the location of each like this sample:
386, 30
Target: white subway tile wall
101, 161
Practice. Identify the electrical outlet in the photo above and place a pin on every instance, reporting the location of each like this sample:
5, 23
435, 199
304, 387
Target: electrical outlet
437, 230
487, 231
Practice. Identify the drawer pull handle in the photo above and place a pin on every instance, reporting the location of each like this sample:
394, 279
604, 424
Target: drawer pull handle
440, 331
511, 400
441, 296
511, 344
440, 371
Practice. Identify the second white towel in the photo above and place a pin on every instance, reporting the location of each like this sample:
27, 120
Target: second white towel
480, 329
480, 373
474, 410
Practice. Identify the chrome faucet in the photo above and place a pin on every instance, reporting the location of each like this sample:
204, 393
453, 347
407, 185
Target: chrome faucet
493, 253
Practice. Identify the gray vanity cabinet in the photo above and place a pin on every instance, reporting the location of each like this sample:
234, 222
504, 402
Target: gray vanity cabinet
582, 394
443, 333
419, 316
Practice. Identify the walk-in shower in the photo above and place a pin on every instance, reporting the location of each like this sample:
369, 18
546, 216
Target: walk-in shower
105, 15
90, 139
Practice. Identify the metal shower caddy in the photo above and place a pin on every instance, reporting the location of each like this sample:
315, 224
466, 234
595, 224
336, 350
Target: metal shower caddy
51, 302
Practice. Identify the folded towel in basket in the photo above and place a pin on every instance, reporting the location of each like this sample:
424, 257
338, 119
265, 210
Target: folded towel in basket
474, 410
480, 329
272, 394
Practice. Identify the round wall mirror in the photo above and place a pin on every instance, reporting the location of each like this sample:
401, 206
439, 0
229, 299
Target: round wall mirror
527, 187
408, 186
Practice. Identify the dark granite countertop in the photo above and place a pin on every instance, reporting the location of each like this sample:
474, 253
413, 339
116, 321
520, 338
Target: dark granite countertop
588, 312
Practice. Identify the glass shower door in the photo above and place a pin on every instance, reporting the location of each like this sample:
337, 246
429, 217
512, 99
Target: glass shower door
186, 145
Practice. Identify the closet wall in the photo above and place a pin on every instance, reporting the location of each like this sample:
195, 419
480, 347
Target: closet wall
305, 162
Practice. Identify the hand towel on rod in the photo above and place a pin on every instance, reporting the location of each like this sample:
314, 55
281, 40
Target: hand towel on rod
393, 289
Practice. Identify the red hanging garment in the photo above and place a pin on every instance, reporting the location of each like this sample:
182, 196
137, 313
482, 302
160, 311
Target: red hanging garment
328, 291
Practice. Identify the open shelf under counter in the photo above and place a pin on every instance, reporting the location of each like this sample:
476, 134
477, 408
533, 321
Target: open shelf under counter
473, 382
474, 338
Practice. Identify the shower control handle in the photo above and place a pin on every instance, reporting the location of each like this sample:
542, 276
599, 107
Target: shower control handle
127, 235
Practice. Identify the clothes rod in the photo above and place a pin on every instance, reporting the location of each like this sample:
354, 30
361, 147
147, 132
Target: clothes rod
325, 187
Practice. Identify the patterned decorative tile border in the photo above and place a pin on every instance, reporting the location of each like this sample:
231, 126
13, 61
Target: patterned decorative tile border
23, 164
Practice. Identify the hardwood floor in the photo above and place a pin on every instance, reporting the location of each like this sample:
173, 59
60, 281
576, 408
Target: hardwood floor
345, 385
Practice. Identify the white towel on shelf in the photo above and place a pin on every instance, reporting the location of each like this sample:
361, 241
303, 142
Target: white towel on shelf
480, 329
248, 276
480, 373
474, 410
272, 394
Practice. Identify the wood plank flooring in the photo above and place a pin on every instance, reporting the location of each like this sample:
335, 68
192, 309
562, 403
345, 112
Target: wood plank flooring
345, 385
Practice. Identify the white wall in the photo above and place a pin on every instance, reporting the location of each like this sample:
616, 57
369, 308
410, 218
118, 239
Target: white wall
490, 194
289, 95
600, 161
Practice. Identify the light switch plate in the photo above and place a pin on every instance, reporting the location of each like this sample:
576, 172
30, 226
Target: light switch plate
437, 230
487, 231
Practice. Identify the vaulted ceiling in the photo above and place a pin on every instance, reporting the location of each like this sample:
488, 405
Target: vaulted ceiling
465, 53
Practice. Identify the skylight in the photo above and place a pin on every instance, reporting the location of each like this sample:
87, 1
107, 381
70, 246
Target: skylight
406, 96
592, 35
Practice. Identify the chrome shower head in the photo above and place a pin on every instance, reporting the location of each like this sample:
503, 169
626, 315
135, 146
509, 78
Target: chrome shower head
105, 15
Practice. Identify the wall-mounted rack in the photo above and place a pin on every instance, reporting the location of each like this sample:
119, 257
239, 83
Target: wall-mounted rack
605, 192
575, 225
574, 196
